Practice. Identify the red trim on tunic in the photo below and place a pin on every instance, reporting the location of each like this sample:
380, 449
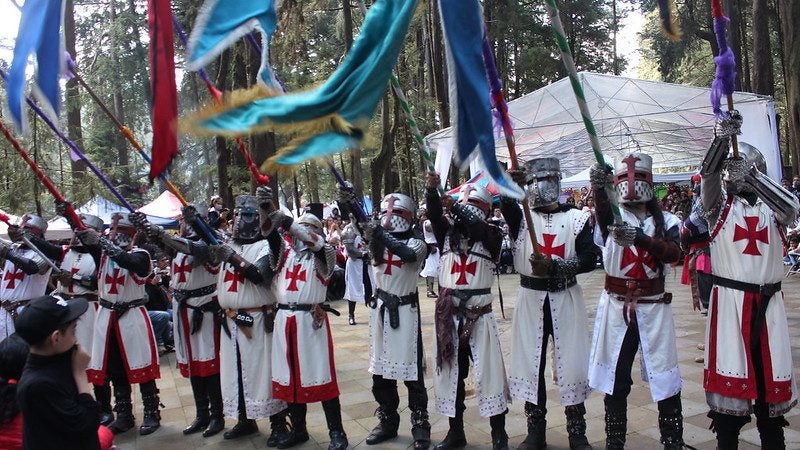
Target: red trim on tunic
95, 376
295, 392
722, 218
195, 368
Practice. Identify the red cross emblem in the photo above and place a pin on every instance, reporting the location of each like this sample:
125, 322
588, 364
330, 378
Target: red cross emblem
182, 269
548, 248
630, 160
637, 262
235, 278
115, 280
463, 268
12, 277
387, 219
752, 234
71, 287
391, 262
295, 275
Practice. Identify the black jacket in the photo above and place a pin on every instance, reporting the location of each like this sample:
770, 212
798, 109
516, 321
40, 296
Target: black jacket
54, 415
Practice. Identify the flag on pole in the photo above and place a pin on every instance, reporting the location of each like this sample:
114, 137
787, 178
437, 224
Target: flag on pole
220, 23
39, 33
328, 119
470, 99
162, 83
725, 75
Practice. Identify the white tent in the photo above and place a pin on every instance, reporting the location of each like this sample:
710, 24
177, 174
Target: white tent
670, 122
58, 228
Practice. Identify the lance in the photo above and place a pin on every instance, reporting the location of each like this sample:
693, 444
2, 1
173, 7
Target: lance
577, 90
206, 231
259, 178
508, 130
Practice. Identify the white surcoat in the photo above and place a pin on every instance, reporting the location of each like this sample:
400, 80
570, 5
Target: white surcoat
81, 264
17, 285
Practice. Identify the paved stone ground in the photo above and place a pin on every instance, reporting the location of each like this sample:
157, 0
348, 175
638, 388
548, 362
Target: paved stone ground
358, 406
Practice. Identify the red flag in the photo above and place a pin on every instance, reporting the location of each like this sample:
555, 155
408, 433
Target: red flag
162, 83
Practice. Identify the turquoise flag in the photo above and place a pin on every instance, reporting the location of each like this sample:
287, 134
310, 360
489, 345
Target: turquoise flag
328, 119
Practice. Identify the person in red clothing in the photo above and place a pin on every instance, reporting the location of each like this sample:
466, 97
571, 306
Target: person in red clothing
13, 353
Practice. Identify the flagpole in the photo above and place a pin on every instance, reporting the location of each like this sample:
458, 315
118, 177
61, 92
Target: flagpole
580, 97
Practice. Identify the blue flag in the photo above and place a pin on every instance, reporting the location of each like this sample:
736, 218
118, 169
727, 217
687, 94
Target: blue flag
39, 33
220, 23
470, 95
332, 117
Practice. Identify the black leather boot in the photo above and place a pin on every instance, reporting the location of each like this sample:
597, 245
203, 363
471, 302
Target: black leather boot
537, 426
499, 435
298, 434
202, 417
388, 423
420, 429
333, 415
670, 422
124, 409
338, 440
103, 396
727, 428
616, 423
243, 427
217, 417
576, 427
770, 429
455, 435
152, 416
279, 429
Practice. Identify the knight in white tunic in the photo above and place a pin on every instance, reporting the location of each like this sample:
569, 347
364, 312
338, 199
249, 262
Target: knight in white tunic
25, 272
430, 269
634, 310
748, 356
550, 302
124, 346
465, 324
395, 318
196, 318
245, 295
358, 279
303, 366
78, 279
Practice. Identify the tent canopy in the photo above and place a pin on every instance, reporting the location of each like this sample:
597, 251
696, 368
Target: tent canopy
166, 205
670, 122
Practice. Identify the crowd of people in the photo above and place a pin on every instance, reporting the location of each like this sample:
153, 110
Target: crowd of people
244, 305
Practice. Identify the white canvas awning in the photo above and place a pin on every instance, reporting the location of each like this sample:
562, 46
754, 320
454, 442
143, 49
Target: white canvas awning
670, 122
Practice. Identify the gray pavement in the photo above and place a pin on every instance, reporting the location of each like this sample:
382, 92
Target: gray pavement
358, 406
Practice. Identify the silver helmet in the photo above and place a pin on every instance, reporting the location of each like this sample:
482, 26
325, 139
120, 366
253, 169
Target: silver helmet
397, 212
633, 178
544, 181
91, 221
33, 224
122, 229
476, 198
750, 156
311, 220
246, 221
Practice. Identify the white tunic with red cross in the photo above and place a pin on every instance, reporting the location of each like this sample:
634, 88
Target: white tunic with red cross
137, 343
198, 353
81, 264
659, 357
472, 268
555, 235
17, 285
750, 236
303, 370
354, 274
235, 292
386, 358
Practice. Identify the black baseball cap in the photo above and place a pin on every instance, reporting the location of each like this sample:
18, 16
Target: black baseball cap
46, 314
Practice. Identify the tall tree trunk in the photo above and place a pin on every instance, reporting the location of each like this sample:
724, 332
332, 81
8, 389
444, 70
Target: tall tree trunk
141, 52
763, 77
734, 40
790, 17
78, 168
356, 176
439, 69
123, 157
380, 164
223, 152
312, 171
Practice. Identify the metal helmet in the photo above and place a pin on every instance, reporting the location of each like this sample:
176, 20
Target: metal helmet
122, 229
397, 212
91, 221
752, 156
633, 178
476, 198
733, 174
33, 224
311, 220
246, 221
544, 181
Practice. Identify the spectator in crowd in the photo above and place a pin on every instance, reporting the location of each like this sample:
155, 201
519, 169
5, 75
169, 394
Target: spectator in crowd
497, 218
158, 304
13, 353
570, 200
506, 253
796, 186
215, 207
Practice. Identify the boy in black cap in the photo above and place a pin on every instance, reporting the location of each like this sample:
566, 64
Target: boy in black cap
54, 395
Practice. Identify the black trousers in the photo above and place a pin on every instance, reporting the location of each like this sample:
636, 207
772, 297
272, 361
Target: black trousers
385, 390
116, 368
547, 331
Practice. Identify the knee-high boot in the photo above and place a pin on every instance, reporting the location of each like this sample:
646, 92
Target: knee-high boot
298, 433
385, 393
200, 393
279, 429
537, 425
616, 422
576, 427
333, 415
124, 409
670, 422
103, 396
727, 429
499, 435
152, 416
770, 429
216, 421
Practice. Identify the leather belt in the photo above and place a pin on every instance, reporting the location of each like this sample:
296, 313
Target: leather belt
122, 307
630, 291
318, 310
547, 284
88, 297
244, 319
392, 303
181, 295
445, 310
197, 312
766, 290
11, 307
